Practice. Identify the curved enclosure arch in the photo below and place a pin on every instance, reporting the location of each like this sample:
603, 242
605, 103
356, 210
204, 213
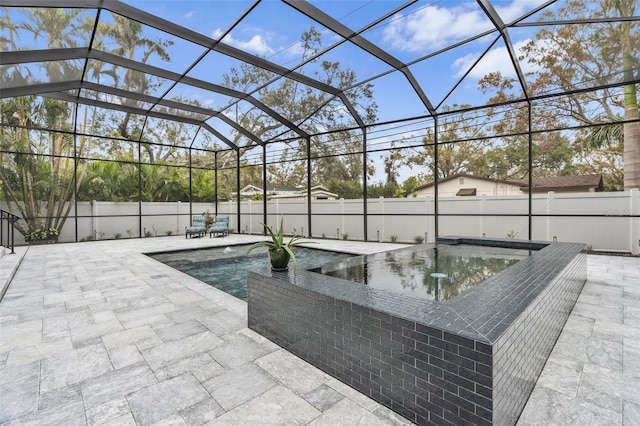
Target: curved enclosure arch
488, 118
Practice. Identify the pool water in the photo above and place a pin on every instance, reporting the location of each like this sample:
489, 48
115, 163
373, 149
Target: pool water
436, 273
225, 268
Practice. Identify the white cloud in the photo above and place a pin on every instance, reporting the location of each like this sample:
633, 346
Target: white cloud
496, 60
434, 27
295, 50
189, 15
516, 9
256, 44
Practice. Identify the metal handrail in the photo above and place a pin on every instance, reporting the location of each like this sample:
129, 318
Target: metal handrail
11, 219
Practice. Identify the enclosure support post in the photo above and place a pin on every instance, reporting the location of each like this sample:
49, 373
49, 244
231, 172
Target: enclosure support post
309, 186
634, 225
75, 171
140, 192
190, 182
264, 187
238, 189
364, 180
530, 222
436, 179
215, 180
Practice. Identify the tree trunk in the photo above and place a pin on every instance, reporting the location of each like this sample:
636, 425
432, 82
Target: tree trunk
631, 155
631, 148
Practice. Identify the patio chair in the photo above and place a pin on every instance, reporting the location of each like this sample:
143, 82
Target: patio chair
219, 227
198, 227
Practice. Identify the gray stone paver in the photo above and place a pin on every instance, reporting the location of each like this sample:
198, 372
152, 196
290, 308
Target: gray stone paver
74, 367
235, 387
277, 406
20, 389
323, 397
347, 412
202, 366
591, 377
116, 384
164, 399
48, 347
202, 412
99, 334
108, 411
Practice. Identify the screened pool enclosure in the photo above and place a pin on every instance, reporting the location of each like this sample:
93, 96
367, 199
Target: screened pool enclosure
139, 113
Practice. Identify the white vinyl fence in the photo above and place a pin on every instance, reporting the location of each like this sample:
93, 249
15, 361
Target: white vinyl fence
608, 221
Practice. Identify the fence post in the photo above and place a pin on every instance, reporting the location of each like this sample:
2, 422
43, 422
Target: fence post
634, 225
94, 217
381, 220
551, 195
178, 216
483, 202
341, 217
430, 219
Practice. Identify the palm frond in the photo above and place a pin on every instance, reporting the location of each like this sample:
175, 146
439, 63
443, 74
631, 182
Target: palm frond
605, 135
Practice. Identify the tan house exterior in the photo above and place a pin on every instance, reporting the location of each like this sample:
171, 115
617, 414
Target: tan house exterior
462, 185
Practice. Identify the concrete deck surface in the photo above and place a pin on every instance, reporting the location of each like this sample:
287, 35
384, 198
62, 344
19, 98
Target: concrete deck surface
97, 333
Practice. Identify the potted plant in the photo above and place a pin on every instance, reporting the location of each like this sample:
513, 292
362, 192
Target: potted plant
279, 252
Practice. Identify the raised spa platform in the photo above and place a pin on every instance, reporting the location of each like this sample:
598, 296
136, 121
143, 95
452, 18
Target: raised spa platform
474, 358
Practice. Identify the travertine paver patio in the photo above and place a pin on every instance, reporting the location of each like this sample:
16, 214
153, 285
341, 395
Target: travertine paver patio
97, 333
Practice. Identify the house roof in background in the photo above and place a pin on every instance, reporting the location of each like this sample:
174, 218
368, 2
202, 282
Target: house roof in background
540, 184
464, 175
563, 183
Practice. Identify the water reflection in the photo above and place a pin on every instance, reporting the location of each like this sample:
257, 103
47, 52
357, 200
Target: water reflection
411, 271
226, 269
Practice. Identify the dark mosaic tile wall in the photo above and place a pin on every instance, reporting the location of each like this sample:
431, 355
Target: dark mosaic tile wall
522, 350
409, 355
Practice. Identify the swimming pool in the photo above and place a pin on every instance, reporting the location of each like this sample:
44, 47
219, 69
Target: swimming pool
427, 272
225, 268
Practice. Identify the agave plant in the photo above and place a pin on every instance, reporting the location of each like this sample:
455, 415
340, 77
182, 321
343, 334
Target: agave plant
279, 251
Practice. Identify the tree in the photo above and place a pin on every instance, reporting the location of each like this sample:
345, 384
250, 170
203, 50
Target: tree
462, 148
412, 182
304, 106
42, 169
349, 189
386, 190
127, 36
606, 161
629, 50
38, 176
570, 54
392, 162
339, 157
286, 171
109, 181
